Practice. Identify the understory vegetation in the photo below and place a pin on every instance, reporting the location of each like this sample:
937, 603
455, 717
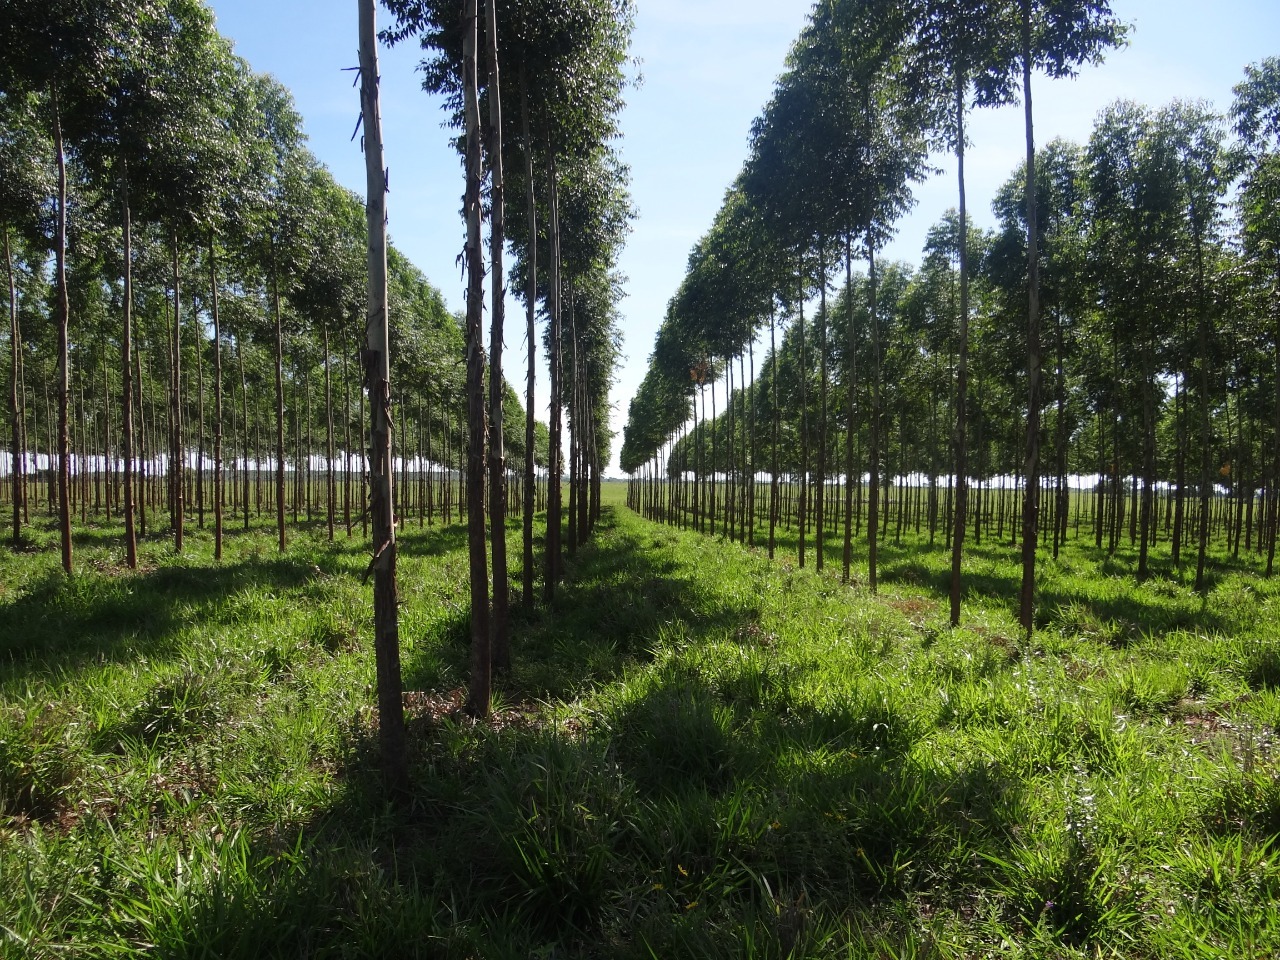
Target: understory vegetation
698, 753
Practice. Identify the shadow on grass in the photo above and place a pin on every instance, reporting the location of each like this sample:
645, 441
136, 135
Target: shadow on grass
607, 613
683, 798
1131, 612
65, 622
431, 541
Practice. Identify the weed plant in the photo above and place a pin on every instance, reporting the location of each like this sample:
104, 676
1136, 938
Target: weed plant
698, 753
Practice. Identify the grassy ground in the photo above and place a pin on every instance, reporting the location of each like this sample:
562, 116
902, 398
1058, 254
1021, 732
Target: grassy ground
698, 754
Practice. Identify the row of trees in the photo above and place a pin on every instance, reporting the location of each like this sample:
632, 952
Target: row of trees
324, 466
162, 215
206, 283
535, 87
1127, 246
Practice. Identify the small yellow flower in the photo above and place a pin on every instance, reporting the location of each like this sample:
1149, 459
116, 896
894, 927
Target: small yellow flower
683, 871
692, 905
658, 886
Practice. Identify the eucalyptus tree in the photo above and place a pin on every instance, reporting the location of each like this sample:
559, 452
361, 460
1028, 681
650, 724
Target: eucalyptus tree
25, 186
1056, 37
325, 287
1255, 115
232, 202
293, 254
499, 624
274, 181
1062, 294
734, 273
594, 347
377, 376
574, 77
831, 156
593, 205
221, 201
779, 177
479, 694
806, 130
61, 49
882, 152
658, 408
721, 300
1194, 150
566, 58
664, 401
1134, 187
957, 57
143, 134
187, 167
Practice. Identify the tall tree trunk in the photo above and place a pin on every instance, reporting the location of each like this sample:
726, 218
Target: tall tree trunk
820, 481
773, 454
584, 453
1206, 427
200, 424
108, 461
15, 400
851, 385
308, 446
217, 402
480, 651
176, 494
730, 492
575, 432
803, 507
1147, 504
377, 366
1031, 467
1060, 445
962, 370
1180, 468
499, 629
711, 426
346, 445
873, 485
23, 440
244, 441
554, 469
700, 441
143, 447
80, 450
279, 372
531, 310
62, 308
751, 457
744, 464
330, 493
1273, 506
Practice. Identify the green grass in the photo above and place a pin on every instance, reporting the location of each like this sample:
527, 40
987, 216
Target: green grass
699, 753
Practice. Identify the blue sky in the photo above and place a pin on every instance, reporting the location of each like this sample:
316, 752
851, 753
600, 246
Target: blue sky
708, 67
